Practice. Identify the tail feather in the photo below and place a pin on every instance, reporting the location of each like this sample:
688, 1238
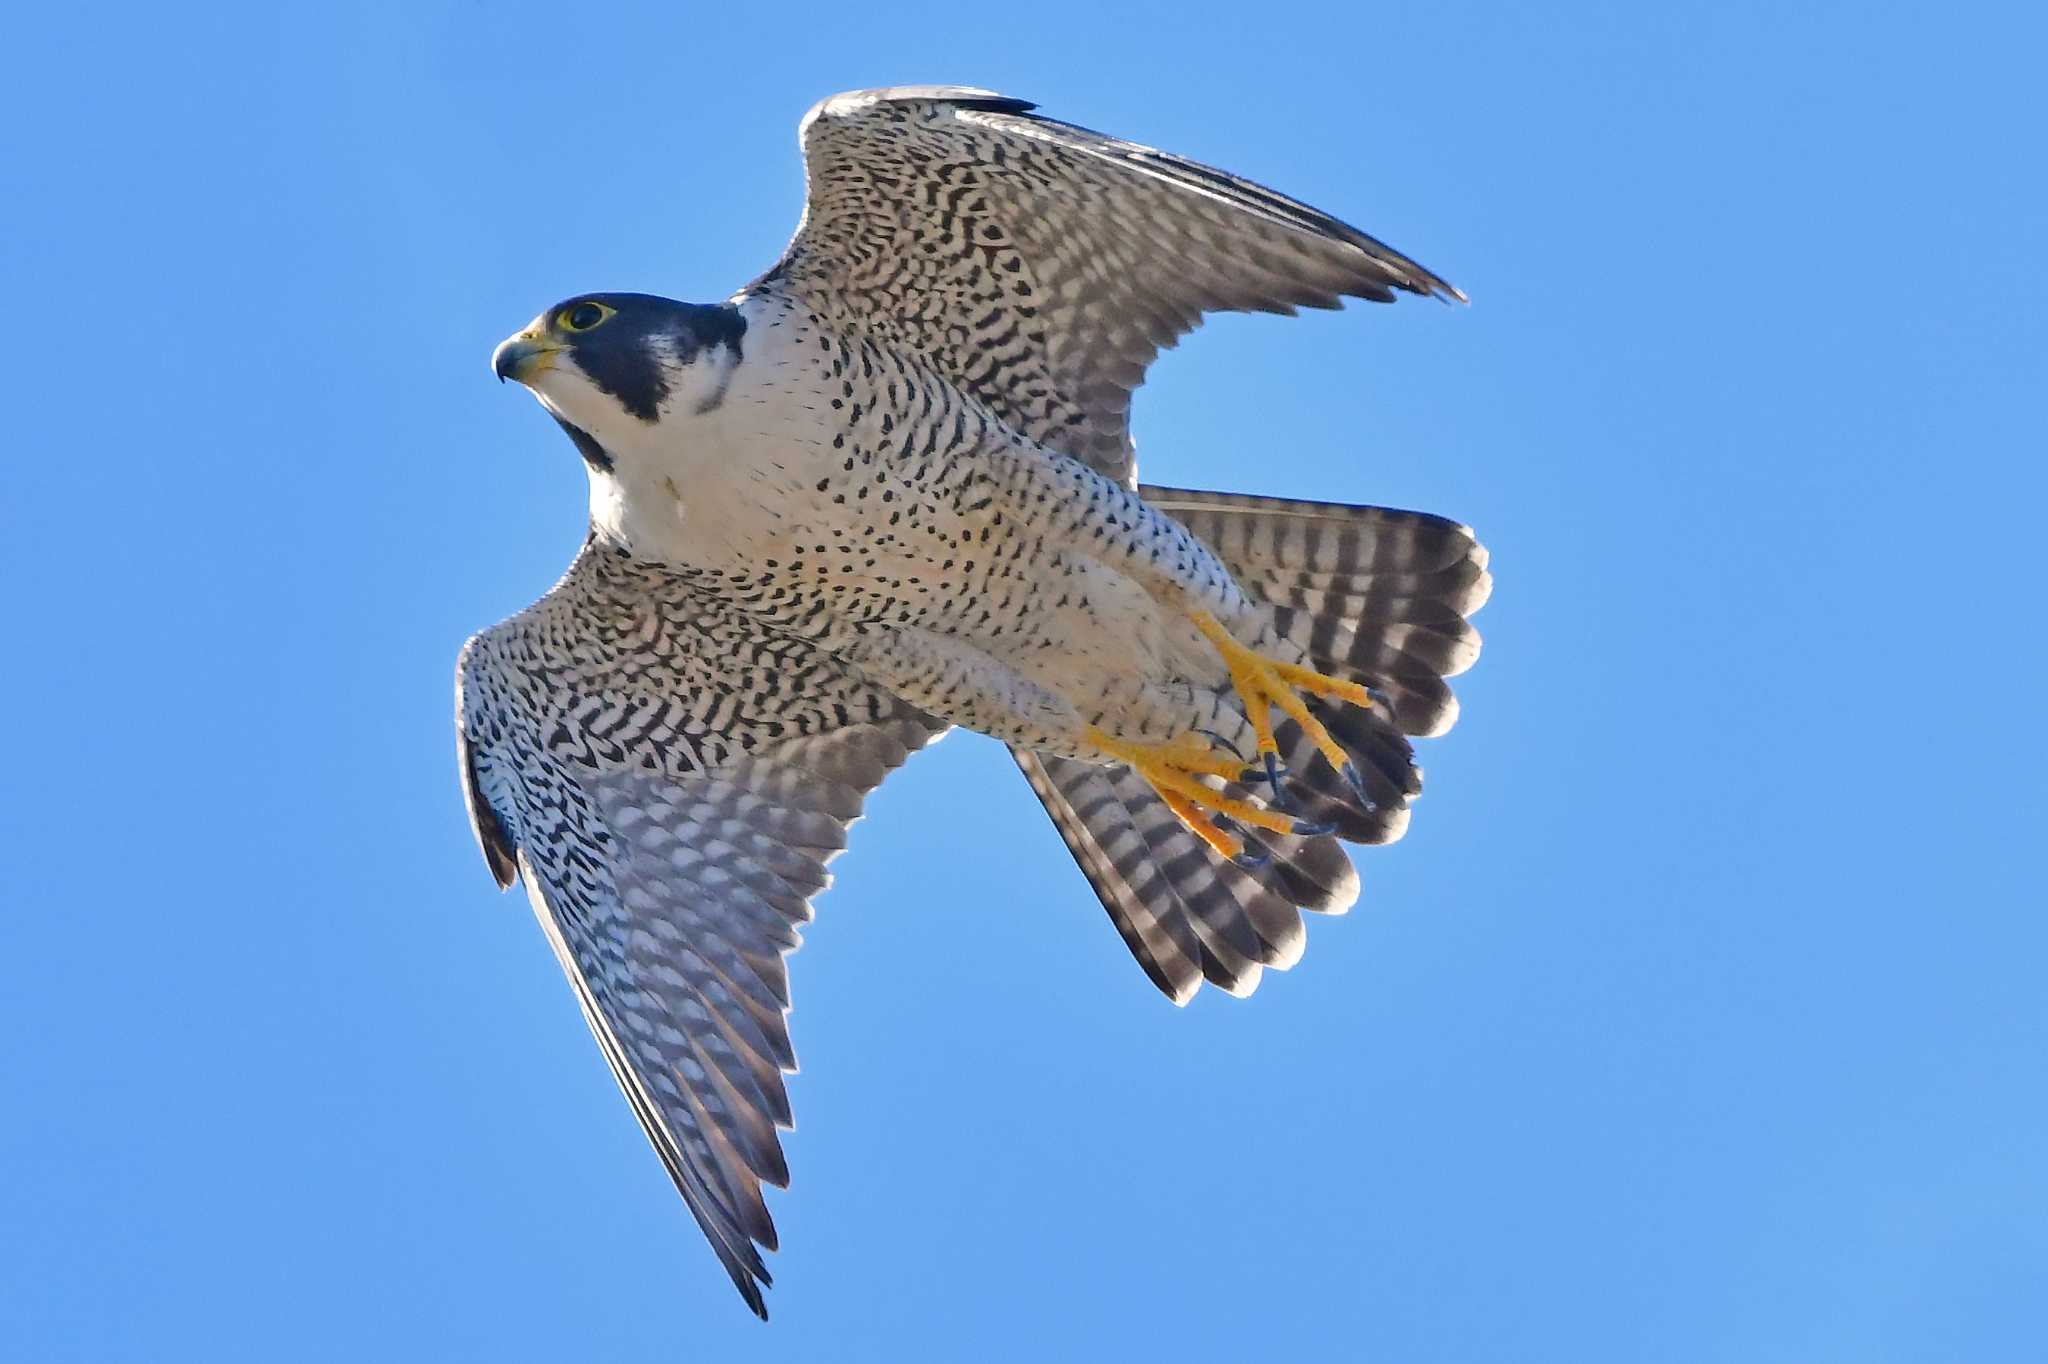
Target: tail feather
1383, 759
1312, 874
1097, 829
1372, 594
1186, 916
1377, 596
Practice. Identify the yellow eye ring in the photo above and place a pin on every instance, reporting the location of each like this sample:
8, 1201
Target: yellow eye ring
581, 317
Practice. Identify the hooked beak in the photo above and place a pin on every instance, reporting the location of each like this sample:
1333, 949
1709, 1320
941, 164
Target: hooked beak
523, 356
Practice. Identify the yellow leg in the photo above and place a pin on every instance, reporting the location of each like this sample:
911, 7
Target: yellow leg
1263, 683
1175, 771
1221, 842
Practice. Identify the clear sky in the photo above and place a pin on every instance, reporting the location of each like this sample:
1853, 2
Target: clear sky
1699, 1017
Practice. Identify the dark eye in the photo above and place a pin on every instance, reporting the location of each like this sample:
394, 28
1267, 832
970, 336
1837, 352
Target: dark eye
584, 316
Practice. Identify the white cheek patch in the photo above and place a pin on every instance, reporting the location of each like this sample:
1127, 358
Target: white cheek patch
698, 376
712, 399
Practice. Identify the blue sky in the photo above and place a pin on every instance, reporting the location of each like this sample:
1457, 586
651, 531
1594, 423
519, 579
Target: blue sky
1699, 1017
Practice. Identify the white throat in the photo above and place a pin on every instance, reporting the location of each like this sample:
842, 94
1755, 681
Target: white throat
692, 486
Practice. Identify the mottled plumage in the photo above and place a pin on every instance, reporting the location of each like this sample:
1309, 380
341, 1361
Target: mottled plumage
888, 488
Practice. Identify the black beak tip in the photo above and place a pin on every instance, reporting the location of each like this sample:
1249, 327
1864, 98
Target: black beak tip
505, 359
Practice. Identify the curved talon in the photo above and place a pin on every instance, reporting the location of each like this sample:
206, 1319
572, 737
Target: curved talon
1250, 856
1222, 743
1357, 783
1270, 773
1282, 800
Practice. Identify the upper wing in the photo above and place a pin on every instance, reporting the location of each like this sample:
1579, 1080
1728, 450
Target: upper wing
1044, 265
670, 782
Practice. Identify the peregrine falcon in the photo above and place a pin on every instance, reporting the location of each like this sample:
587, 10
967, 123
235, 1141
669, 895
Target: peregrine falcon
888, 488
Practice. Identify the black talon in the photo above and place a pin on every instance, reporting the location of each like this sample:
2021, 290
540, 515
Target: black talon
1247, 859
1303, 829
1270, 774
1221, 742
1358, 788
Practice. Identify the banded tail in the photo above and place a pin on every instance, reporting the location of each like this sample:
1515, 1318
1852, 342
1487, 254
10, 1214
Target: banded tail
1371, 595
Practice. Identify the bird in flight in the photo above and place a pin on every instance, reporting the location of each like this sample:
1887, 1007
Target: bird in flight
888, 488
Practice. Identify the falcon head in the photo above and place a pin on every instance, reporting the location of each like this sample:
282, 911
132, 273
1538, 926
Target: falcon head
610, 366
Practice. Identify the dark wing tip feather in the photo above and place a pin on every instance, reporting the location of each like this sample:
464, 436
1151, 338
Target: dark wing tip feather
750, 1293
964, 96
993, 104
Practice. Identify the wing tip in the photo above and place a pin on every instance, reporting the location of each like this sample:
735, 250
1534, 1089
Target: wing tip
747, 1272
1393, 271
1442, 290
963, 96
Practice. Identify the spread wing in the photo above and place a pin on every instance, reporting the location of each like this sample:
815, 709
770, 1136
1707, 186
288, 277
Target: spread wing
1043, 265
670, 782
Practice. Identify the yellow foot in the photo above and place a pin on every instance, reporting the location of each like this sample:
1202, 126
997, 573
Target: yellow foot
1176, 770
1263, 683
